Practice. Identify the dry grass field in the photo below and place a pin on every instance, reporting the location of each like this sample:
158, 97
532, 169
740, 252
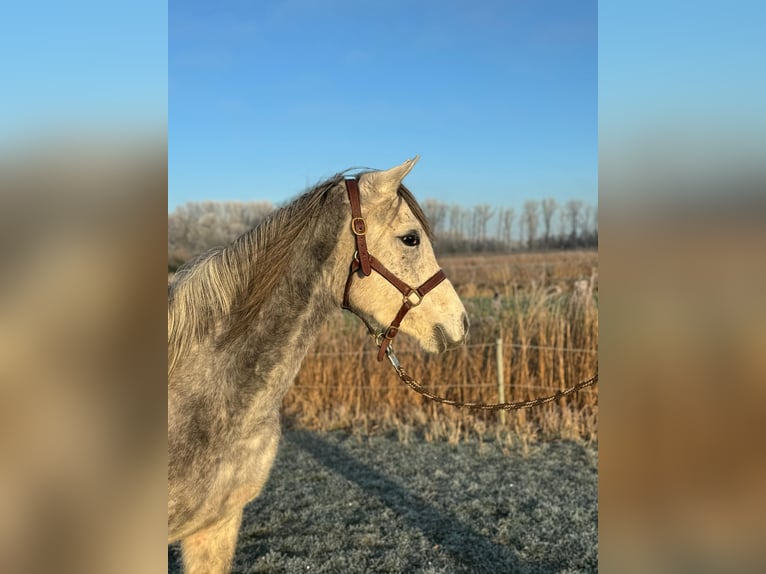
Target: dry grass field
544, 306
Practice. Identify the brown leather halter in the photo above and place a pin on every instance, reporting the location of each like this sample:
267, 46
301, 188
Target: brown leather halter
366, 263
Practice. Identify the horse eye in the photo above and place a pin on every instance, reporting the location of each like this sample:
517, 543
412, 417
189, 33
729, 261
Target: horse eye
411, 239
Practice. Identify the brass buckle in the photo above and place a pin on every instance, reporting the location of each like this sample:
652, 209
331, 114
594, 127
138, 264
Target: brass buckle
391, 332
363, 226
408, 298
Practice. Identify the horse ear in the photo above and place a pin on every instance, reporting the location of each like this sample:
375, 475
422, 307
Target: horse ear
386, 183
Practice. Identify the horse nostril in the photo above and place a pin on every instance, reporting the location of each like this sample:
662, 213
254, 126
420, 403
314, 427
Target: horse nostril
466, 324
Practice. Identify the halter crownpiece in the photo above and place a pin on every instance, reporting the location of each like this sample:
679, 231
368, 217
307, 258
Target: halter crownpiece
411, 297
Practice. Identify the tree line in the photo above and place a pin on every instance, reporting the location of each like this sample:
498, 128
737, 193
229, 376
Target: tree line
541, 224
195, 227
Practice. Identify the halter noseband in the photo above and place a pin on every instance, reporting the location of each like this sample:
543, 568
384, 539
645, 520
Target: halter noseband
367, 263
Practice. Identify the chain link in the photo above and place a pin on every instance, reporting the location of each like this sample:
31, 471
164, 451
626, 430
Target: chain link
517, 405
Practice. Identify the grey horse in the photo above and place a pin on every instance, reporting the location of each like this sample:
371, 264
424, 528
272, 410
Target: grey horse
240, 321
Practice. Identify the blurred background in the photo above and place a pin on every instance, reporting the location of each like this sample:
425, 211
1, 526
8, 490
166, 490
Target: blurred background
83, 217
683, 330
83, 199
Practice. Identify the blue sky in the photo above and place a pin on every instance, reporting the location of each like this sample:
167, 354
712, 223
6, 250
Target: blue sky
498, 97
82, 63
682, 89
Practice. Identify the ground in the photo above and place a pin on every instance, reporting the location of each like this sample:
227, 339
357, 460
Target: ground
347, 504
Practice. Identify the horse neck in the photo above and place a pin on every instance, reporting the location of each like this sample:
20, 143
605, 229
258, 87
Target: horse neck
271, 350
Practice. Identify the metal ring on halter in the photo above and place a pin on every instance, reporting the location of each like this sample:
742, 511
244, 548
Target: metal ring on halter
407, 298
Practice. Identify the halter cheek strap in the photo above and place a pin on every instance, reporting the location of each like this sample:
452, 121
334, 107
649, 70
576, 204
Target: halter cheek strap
358, 226
367, 263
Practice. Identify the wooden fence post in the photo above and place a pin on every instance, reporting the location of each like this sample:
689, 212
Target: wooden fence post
500, 376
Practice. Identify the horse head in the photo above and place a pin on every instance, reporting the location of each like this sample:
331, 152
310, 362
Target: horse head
404, 278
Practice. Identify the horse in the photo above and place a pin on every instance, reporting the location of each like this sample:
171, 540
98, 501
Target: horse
241, 318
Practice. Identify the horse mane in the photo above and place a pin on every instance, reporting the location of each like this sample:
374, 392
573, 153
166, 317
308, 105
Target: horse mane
417, 211
226, 287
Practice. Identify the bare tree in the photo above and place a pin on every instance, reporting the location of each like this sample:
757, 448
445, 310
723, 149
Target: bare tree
508, 218
456, 221
436, 213
195, 227
589, 229
549, 206
474, 234
482, 214
530, 218
586, 220
595, 220
505, 224
500, 214
574, 215
562, 226
465, 216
